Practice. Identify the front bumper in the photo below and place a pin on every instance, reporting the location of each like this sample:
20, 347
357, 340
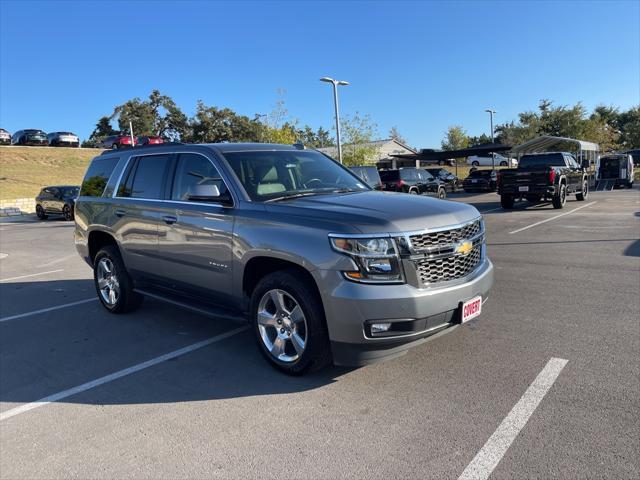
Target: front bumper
351, 307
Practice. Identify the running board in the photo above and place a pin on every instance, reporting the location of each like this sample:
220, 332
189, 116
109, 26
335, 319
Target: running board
194, 306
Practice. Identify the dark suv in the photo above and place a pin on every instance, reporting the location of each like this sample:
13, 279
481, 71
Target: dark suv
412, 180
445, 176
57, 200
369, 175
481, 181
323, 267
29, 137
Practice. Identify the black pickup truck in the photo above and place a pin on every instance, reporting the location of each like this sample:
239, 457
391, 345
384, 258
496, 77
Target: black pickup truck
548, 176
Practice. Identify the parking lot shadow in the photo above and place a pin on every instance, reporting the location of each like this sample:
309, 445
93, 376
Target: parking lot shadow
633, 250
46, 353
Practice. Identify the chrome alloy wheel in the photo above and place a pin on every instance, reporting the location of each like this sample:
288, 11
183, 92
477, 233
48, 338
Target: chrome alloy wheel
282, 325
108, 282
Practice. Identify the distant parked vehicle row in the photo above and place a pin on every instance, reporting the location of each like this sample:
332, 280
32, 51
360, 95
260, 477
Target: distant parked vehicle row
480, 181
34, 136
414, 181
370, 176
113, 142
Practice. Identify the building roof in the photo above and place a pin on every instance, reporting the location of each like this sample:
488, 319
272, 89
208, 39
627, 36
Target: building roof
434, 155
333, 150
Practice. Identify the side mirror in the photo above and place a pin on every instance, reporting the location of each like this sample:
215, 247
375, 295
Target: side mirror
206, 193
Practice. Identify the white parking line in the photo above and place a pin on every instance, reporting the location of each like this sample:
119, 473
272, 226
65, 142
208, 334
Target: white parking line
31, 275
119, 374
50, 309
552, 218
492, 452
60, 260
491, 210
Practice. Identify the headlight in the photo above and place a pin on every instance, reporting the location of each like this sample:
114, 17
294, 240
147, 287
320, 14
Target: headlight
377, 259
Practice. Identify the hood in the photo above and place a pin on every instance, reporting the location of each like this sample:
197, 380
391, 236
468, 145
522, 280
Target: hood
374, 212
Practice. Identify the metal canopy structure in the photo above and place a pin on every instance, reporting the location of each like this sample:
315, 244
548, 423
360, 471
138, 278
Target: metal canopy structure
436, 155
548, 143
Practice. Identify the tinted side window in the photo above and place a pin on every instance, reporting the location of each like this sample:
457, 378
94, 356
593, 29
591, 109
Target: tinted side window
97, 176
149, 177
193, 170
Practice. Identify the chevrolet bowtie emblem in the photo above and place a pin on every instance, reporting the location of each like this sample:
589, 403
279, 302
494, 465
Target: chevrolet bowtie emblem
464, 248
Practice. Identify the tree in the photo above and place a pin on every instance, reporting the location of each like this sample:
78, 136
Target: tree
315, 139
103, 129
456, 138
211, 124
394, 134
481, 140
358, 133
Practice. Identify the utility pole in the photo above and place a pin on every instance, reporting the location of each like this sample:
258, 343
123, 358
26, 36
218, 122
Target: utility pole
493, 154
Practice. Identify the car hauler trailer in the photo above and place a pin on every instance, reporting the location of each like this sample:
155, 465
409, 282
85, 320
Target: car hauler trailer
614, 170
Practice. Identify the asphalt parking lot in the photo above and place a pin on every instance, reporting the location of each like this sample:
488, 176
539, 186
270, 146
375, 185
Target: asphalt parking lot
546, 384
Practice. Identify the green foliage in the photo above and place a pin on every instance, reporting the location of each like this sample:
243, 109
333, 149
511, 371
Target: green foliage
211, 124
394, 134
103, 129
315, 139
606, 126
358, 131
481, 140
456, 138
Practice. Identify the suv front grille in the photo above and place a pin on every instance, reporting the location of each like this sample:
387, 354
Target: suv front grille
429, 240
434, 270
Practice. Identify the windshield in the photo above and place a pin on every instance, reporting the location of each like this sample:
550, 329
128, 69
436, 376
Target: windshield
280, 174
389, 175
546, 160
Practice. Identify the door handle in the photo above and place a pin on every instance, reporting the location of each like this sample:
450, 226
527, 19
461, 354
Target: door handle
120, 213
169, 220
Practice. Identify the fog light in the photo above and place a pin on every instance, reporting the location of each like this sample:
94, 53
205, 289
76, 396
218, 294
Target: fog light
380, 327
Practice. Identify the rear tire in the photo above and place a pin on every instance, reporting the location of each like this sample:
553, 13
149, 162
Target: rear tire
475, 163
113, 283
442, 194
115, 146
278, 329
67, 213
560, 199
584, 192
506, 201
503, 164
413, 191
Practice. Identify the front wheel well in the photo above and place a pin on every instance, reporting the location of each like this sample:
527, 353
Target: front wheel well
99, 240
259, 267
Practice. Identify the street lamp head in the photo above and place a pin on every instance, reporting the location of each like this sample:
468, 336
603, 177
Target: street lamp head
327, 79
488, 110
343, 82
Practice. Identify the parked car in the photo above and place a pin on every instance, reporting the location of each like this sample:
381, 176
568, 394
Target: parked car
412, 180
63, 139
57, 200
324, 268
480, 181
29, 137
451, 182
5, 137
615, 170
550, 176
369, 175
116, 141
145, 140
483, 161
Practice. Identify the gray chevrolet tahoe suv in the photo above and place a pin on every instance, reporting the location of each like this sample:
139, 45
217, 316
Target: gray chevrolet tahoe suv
324, 268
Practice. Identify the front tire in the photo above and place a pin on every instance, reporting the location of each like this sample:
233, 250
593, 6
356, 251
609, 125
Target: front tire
40, 213
442, 194
506, 201
113, 283
289, 323
503, 164
584, 192
560, 199
475, 163
413, 191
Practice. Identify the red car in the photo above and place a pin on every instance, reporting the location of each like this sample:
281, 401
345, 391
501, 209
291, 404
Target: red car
150, 140
116, 141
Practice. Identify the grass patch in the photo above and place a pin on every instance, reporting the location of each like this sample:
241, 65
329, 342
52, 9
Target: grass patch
25, 170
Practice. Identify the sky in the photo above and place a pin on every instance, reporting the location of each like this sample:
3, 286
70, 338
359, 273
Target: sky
419, 66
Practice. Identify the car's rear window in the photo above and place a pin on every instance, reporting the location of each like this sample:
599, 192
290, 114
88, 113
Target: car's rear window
480, 174
97, 176
389, 175
546, 160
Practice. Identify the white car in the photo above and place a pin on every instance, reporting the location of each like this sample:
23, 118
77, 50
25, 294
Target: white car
482, 161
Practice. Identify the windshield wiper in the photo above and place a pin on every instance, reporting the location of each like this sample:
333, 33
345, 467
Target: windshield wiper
293, 195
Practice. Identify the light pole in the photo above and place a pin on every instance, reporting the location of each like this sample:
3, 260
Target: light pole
335, 84
493, 154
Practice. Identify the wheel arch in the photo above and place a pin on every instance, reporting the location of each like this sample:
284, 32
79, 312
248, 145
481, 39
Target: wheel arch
97, 240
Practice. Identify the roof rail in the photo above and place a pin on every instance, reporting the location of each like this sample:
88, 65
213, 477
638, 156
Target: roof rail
139, 147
